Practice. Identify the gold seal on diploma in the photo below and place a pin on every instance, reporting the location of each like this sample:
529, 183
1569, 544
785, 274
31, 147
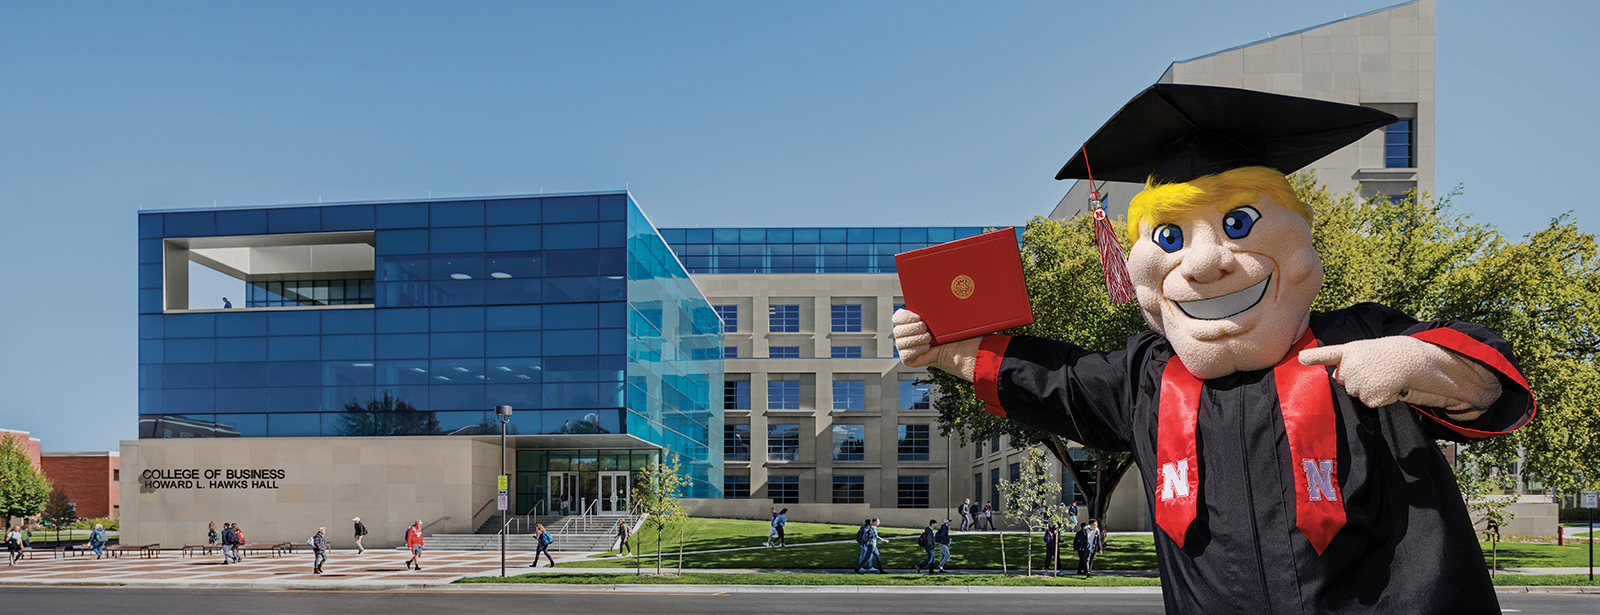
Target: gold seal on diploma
962, 287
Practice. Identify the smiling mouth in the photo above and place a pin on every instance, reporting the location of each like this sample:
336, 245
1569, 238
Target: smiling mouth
1217, 308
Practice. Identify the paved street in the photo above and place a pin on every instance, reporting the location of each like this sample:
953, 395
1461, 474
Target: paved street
644, 602
376, 568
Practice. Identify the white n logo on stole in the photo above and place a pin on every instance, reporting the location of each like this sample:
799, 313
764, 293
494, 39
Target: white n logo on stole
1319, 480
1174, 480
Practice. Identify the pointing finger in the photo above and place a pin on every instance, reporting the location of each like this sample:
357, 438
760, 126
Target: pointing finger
1330, 355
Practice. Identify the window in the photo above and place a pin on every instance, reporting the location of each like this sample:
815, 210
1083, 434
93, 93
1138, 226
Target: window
994, 489
730, 317
849, 442
783, 352
849, 395
116, 475
736, 394
730, 352
736, 442
977, 489
850, 489
783, 318
846, 352
898, 307
913, 442
735, 487
783, 394
977, 449
783, 443
914, 395
783, 489
913, 492
994, 444
1016, 472
847, 318
1399, 145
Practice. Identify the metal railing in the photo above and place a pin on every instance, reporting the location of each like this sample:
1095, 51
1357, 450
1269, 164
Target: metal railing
434, 522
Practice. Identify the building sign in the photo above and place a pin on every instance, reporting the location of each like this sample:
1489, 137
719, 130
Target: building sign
1591, 499
210, 478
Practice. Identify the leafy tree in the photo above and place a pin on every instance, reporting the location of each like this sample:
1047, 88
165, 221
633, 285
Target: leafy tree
655, 494
1033, 499
388, 415
23, 488
59, 511
1479, 483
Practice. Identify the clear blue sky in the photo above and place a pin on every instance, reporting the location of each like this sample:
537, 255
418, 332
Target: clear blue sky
738, 113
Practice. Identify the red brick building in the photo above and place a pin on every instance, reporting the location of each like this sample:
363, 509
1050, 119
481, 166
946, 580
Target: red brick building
29, 443
90, 480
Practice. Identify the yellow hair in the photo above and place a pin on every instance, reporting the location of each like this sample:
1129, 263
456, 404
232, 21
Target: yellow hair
1160, 203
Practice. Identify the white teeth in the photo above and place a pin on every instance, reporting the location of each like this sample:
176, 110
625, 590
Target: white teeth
1227, 305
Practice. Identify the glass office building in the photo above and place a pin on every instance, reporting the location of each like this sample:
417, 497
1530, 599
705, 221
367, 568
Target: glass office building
418, 318
804, 250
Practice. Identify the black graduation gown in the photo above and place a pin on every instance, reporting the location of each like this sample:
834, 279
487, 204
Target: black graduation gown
1407, 545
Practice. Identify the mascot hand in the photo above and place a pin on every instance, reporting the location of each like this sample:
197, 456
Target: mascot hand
917, 349
1382, 371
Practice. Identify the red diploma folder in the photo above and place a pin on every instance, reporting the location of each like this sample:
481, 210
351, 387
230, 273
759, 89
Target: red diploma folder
968, 287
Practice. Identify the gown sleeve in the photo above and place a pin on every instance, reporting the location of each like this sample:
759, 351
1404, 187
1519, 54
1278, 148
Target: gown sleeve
1057, 387
1516, 405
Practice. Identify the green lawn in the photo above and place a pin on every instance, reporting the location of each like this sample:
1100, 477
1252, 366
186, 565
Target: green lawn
701, 578
701, 534
968, 551
1545, 579
50, 535
1526, 555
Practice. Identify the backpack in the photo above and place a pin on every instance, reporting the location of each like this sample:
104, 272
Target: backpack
546, 540
312, 541
926, 539
861, 535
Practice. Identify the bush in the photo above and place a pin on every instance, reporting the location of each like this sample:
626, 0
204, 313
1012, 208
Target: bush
1578, 515
88, 524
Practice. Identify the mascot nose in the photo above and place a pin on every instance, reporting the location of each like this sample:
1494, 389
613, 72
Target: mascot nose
1208, 262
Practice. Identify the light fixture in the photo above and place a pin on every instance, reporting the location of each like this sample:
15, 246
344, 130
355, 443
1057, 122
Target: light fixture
362, 364
462, 369
524, 377
460, 276
502, 368
499, 275
419, 370
442, 378
482, 377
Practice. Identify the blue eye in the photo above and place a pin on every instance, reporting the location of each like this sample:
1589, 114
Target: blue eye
1237, 223
1168, 236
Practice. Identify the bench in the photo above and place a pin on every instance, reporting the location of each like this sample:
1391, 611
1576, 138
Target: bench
205, 549
144, 551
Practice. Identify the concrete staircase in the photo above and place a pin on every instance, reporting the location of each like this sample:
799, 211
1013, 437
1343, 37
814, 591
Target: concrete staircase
571, 533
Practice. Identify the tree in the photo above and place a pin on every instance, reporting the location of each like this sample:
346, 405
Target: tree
1033, 499
23, 488
1480, 483
387, 415
655, 493
60, 511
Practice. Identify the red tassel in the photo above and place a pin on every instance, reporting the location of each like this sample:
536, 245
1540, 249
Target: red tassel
1118, 284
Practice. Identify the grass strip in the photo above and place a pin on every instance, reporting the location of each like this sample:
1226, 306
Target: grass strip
702, 578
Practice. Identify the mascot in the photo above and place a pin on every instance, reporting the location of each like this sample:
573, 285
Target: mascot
1288, 457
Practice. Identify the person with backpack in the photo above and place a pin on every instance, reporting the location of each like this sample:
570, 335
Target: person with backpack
14, 545
238, 543
544, 541
414, 545
988, 516
212, 537
361, 530
777, 526
98, 540
230, 544
319, 547
943, 540
966, 514
869, 539
1052, 540
772, 526
926, 542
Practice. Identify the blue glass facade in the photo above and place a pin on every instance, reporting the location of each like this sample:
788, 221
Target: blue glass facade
804, 250
569, 308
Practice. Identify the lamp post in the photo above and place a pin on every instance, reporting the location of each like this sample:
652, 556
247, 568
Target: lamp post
504, 413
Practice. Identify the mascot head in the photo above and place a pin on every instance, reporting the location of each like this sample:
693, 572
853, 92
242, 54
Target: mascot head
1222, 260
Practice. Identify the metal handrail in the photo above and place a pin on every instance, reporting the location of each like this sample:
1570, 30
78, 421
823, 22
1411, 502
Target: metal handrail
434, 522
485, 506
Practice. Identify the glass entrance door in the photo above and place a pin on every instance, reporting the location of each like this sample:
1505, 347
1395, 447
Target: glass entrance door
564, 498
614, 493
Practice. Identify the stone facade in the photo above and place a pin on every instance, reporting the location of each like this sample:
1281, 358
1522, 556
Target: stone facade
304, 484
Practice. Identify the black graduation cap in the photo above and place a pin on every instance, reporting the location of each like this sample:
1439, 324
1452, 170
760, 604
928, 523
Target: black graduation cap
1178, 133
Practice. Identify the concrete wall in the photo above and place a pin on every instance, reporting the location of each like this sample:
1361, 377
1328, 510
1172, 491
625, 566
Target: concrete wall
389, 482
1535, 515
88, 480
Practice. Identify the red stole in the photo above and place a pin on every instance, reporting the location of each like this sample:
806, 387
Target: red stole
1306, 399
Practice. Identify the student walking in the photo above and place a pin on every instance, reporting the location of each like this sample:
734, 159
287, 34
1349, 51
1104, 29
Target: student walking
211, 534
966, 514
1052, 539
988, 516
361, 530
622, 535
239, 543
777, 526
1072, 515
27, 535
871, 559
98, 540
943, 540
928, 545
230, 544
1087, 543
14, 545
319, 548
414, 545
544, 541
772, 526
